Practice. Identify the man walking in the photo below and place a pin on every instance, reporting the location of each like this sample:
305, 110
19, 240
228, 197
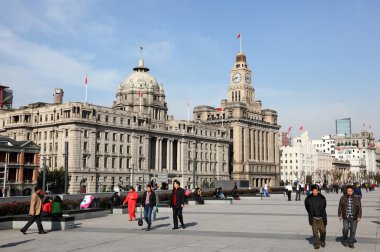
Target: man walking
298, 191
315, 205
35, 212
177, 202
148, 202
350, 210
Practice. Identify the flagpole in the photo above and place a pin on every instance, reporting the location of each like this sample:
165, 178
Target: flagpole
241, 47
85, 96
188, 111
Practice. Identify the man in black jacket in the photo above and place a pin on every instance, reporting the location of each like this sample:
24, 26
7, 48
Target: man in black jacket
315, 204
177, 202
148, 202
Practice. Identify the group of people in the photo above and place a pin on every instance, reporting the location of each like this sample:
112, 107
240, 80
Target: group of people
149, 202
349, 211
42, 207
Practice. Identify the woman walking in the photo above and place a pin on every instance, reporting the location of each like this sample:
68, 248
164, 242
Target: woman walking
131, 199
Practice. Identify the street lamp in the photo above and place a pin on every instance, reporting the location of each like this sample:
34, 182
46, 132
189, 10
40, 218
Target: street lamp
129, 181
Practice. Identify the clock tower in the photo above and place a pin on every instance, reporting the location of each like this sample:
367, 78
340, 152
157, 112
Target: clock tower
241, 89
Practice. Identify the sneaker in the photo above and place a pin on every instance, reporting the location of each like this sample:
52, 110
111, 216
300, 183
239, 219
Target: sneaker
345, 243
43, 232
316, 246
22, 231
351, 245
323, 244
174, 228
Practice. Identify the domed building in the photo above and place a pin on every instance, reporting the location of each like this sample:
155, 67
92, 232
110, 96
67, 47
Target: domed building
134, 142
141, 93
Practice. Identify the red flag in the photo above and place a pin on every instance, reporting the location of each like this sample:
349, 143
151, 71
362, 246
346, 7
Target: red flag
220, 109
301, 128
140, 92
238, 36
289, 129
85, 80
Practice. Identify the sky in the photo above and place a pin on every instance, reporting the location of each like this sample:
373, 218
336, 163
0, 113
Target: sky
312, 61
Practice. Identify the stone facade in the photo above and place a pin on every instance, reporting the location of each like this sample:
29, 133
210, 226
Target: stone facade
254, 131
131, 143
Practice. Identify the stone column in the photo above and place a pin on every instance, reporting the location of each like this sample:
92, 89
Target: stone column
179, 159
260, 145
168, 155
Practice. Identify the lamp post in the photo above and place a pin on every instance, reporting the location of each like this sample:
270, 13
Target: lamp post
44, 174
129, 181
5, 179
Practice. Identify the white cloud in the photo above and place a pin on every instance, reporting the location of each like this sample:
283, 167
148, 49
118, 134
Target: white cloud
41, 68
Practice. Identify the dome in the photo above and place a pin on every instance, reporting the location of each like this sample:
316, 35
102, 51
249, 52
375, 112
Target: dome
140, 78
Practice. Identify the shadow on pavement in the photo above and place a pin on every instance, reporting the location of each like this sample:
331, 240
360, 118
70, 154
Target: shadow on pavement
162, 218
310, 240
14, 244
161, 226
191, 224
376, 222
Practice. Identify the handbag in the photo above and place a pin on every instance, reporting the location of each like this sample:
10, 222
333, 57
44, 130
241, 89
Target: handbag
140, 221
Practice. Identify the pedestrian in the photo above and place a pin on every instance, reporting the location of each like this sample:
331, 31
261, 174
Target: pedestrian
148, 202
298, 192
315, 205
35, 211
289, 190
266, 190
46, 207
115, 200
350, 210
358, 190
131, 200
56, 207
155, 208
177, 202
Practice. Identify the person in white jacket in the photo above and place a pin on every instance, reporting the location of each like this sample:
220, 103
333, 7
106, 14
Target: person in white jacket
289, 190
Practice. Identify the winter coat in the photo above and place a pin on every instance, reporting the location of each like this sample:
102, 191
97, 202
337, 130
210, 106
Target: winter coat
311, 211
357, 207
152, 199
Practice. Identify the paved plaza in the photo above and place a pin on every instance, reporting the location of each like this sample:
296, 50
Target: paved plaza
271, 224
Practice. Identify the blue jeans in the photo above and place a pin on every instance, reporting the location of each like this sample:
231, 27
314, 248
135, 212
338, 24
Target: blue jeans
349, 226
148, 215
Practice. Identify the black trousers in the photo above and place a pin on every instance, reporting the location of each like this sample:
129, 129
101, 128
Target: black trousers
289, 195
298, 195
177, 214
32, 219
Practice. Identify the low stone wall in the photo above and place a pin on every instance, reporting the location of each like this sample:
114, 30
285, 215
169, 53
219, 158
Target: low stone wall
49, 224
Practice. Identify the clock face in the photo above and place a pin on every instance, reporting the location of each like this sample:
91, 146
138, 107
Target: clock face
248, 78
236, 77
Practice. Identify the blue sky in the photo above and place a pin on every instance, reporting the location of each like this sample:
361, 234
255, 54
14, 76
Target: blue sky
312, 61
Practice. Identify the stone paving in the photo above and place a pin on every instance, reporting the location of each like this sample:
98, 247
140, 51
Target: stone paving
271, 224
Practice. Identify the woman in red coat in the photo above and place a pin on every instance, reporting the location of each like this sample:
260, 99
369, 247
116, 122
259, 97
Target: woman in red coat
131, 199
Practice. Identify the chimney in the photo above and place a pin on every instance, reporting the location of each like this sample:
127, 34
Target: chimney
58, 96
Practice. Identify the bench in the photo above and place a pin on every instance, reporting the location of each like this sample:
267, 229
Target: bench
212, 201
162, 208
88, 213
49, 223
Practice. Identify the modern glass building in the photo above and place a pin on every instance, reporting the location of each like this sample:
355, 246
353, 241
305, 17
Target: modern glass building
343, 126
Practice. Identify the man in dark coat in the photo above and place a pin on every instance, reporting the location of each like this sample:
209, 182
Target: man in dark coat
315, 204
177, 202
148, 202
350, 210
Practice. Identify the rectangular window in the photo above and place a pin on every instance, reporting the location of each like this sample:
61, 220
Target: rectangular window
105, 162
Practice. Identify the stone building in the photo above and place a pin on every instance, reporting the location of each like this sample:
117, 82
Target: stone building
298, 160
19, 165
254, 131
131, 143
